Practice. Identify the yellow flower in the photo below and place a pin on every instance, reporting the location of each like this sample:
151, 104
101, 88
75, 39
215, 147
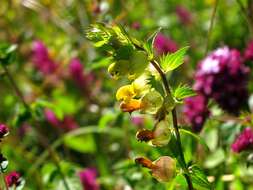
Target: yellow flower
125, 93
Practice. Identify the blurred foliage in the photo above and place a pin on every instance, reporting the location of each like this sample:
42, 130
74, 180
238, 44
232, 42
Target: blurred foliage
105, 137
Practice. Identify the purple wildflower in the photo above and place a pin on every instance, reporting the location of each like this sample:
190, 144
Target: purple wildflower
223, 77
248, 53
13, 178
244, 141
69, 123
3, 130
196, 111
76, 71
88, 179
184, 15
41, 58
164, 45
51, 118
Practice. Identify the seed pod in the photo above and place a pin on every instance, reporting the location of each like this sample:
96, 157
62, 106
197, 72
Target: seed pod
160, 136
163, 169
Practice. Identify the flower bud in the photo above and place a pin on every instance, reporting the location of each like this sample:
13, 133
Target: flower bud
163, 169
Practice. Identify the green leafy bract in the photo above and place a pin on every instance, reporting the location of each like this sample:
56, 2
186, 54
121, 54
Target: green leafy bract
171, 61
182, 92
151, 102
199, 178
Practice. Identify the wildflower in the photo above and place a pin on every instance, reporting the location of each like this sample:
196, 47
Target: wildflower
184, 15
41, 58
51, 117
164, 45
244, 141
88, 179
13, 179
67, 123
3, 130
248, 53
77, 73
163, 169
223, 77
196, 111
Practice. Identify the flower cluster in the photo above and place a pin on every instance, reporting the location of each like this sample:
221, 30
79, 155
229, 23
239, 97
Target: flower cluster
3, 131
164, 44
82, 80
223, 76
67, 124
13, 179
248, 53
196, 112
184, 15
244, 141
88, 179
41, 58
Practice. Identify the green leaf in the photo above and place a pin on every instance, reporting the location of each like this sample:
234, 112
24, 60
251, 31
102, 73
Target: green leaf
148, 46
195, 136
81, 143
215, 159
100, 63
170, 62
123, 52
199, 178
7, 52
46, 104
182, 92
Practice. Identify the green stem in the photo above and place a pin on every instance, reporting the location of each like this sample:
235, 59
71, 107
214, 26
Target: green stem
42, 138
211, 25
2, 174
175, 125
246, 16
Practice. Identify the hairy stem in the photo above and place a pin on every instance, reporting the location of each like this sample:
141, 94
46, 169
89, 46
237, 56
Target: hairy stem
43, 140
175, 125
